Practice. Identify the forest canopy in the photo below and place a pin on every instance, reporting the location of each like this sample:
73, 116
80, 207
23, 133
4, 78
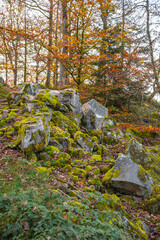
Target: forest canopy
103, 47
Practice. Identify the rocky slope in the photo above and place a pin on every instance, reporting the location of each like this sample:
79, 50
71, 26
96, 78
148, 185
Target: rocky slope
87, 155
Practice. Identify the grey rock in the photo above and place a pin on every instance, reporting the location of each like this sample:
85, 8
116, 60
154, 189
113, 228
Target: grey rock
55, 143
137, 152
130, 179
27, 98
30, 88
70, 98
64, 141
35, 134
94, 115
85, 141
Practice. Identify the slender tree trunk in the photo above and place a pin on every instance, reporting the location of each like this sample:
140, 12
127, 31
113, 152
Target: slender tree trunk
25, 48
37, 72
6, 58
156, 85
64, 76
49, 62
55, 78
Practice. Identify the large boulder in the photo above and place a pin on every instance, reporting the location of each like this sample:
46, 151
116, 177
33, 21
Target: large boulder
94, 115
85, 141
30, 88
137, 152
34, 134
128, 177
70, 98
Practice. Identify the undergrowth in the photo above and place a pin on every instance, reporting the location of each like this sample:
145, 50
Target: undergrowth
34, 210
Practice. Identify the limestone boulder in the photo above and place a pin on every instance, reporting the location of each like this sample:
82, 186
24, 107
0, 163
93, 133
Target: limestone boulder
34, 134
129, 178
137, 152
70, 98
85, 141
30, 88
94, 115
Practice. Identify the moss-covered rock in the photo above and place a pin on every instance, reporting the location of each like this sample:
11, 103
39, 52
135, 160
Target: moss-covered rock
128, 177
77, 152
34, 134
85, 141
51, 101
152, 205
63, 122
63, 159
137, 152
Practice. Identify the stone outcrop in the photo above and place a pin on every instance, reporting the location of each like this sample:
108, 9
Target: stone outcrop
34, 134
70, 98
94, 115
128, 177
30, 88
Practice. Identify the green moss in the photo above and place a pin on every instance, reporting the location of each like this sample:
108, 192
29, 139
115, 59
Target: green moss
44, 170
80, 173
63, 122
108, 176
111, 202
10, 132
138, 230
17, 125
34, 157
63, 159
3, 92
58, 132
154, 163
11, 115
95, 181
76, 152
67, 168
51, 150
143, 175
116, 173
53, 101
96, 158
89, 189
89, 168
96, 171
153, 205
96, 133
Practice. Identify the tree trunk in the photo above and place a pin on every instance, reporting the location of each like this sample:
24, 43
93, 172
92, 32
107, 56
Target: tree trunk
49, 61
156, 85
64, 76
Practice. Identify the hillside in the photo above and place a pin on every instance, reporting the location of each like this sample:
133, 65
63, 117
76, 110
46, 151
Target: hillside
73, 171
